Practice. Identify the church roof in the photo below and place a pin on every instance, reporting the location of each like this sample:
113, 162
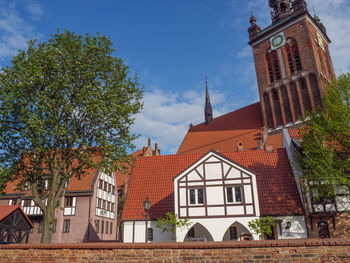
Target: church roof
224, 133
153, 178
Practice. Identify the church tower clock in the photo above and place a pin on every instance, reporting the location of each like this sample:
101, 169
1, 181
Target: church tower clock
292, 62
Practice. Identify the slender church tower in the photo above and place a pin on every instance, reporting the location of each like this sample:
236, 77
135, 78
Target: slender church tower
292, 62
208, 112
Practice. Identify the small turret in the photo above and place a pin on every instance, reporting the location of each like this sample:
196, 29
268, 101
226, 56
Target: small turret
254, 29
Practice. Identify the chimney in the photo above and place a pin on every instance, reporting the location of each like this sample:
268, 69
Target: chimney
269, 148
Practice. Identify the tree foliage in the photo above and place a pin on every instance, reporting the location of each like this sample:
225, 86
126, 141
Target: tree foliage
65, 105
325, 158
262, 226
171, 222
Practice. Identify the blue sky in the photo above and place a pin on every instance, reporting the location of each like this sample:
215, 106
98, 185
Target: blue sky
172, 45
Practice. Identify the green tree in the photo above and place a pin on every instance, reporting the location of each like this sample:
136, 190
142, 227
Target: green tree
325, 158
65, 105
262, 226
170, 223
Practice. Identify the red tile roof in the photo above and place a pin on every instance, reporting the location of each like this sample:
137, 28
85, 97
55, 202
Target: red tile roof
295, 134
153, 178
85, 183
225, 132
122, 178
6, 210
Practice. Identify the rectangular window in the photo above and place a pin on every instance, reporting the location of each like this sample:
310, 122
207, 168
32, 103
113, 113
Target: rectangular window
26, 202
192, 196
229, 195
101, 184
13, 201
68, 201
66, 226
196, 196
238, 194
102, 227
149, 234
97, 225
107, 228
234, 194
233, 233
113, 189
105, 186
111, 228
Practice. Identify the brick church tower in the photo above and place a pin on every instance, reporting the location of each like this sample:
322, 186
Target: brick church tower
292, 62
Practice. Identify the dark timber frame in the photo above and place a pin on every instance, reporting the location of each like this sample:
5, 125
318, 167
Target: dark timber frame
15, 227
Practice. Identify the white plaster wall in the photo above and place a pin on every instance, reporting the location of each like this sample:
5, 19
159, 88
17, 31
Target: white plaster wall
215, 195
216, 227
213, 171
297, 230
139, 235
128, 229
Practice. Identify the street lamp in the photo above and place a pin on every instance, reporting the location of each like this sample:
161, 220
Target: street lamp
146, 205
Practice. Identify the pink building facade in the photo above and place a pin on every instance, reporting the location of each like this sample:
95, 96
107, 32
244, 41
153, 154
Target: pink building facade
88, 211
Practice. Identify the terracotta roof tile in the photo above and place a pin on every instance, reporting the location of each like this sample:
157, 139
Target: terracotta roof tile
295, 134
225, 132
85, 183
6, 210
153, 178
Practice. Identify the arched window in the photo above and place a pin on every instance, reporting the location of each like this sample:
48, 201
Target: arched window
277, 107
273, 66
316, 93
305, 95
199, 233
295, 100
286, 104
293, 55
320, 56
268, 110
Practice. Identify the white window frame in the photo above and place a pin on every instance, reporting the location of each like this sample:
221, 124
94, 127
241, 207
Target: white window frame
233, 187
196, 195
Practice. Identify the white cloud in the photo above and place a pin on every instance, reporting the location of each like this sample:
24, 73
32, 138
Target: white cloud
34, 9
166, 116
14, 31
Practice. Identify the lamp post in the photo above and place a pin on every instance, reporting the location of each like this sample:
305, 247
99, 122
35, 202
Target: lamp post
146, 205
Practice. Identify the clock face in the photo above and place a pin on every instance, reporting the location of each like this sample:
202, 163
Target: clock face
277, 41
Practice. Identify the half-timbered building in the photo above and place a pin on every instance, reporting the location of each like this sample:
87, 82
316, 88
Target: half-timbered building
218, 192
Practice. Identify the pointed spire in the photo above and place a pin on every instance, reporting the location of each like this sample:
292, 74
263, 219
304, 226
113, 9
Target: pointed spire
208, 112
252, 19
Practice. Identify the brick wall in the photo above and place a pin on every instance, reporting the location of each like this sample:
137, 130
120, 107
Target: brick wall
311, 250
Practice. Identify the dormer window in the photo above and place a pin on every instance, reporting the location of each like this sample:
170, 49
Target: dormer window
196, 196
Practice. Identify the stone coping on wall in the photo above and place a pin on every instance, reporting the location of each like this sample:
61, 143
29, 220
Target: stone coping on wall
189, 245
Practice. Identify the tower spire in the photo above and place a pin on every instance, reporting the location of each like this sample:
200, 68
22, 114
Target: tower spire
208, 112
